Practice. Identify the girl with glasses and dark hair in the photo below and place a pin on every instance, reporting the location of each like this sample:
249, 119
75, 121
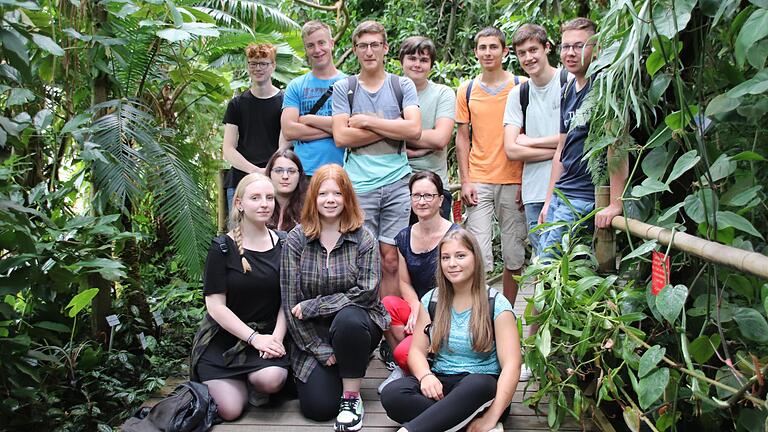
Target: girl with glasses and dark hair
417, 254
287, 174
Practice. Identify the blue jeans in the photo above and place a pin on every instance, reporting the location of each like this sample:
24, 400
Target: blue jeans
532, 211
560, 212
230, 198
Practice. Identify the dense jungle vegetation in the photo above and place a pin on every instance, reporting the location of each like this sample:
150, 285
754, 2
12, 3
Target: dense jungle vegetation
110, 134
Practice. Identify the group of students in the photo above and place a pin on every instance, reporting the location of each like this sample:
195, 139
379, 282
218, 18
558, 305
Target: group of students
369, 249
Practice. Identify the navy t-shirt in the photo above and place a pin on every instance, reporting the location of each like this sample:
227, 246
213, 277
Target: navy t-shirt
575, 181
258, 127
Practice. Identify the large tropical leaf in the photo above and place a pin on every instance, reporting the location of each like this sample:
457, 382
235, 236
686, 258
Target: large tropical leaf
181, 202
118, 177
249, 15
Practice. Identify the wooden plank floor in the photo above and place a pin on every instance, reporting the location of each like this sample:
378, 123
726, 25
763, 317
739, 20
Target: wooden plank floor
286, 417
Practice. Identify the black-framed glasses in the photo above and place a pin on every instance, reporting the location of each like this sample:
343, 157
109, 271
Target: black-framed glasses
577, 47
428, 197
281, 171
259, 64
363, 46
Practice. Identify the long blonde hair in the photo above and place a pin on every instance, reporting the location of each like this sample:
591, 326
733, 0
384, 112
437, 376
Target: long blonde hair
480, 326
236, 215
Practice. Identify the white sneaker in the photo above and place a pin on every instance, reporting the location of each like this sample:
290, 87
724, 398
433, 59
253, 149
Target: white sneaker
525, 373
498, 428
396, 374
350, 416
257, 399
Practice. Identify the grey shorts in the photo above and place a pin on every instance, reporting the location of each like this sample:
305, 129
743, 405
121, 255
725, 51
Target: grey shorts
387, 209
497, 201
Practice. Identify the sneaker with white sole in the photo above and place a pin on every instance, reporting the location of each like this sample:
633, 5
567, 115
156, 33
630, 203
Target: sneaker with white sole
350, 416
525, 373
396, 374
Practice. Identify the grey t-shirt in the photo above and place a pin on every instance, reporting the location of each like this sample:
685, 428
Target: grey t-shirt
436, 101
543, 118
381, 163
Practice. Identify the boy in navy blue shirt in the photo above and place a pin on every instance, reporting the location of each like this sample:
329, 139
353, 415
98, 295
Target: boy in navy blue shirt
570, 173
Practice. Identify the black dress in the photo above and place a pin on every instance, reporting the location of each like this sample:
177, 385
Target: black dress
254, 297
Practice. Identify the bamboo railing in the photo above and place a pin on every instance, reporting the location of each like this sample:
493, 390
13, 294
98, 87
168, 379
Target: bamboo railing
605, 247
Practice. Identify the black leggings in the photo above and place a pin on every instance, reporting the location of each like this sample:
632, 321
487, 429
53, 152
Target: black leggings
465, 396
353, 337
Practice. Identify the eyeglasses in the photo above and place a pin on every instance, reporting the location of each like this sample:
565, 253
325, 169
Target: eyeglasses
281, 171
259, 64
363, 46
577, 47
428, 197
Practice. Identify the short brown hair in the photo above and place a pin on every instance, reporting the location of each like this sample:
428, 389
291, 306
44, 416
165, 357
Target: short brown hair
312, 26
491, 31
261, 51
418, 45
351, 217
527, 32
369, 27
579, 23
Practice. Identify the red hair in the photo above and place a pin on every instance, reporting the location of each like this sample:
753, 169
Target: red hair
261, 51
351, 217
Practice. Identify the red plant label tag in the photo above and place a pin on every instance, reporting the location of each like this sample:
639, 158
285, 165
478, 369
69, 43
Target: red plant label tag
457, 211
660, 272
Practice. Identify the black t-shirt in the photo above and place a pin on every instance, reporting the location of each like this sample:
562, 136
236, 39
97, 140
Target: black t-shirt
252, 296
575, 181
258, 126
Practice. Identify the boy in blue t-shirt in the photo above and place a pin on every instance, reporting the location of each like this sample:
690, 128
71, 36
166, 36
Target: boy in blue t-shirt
570, 173
306, 119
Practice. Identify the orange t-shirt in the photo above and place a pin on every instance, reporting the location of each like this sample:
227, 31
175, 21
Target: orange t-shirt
488, 163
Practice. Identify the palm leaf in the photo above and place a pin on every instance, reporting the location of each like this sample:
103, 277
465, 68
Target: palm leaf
249, 14
181, 202
115, 133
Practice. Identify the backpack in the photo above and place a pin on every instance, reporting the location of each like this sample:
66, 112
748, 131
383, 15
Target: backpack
398, 89
432, 307
189, 408
525, 92
469, 112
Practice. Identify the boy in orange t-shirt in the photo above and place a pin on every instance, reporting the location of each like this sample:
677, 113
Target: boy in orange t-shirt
490, 182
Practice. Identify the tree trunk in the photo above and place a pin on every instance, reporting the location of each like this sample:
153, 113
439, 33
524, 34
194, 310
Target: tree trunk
451, 32
102, 303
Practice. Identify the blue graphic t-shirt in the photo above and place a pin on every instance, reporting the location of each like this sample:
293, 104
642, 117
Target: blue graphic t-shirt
302, 93
575, 181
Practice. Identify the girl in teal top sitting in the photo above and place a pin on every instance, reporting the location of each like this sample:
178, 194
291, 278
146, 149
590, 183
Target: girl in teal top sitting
476, 363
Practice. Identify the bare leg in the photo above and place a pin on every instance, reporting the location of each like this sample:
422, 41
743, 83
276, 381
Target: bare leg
510, 284
389, 270
351, 384
268, 380
230, 396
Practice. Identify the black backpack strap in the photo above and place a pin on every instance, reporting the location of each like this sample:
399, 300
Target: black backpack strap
222, 242
352, 87
320, 102
469, 112
516, 79
398, 89
525, 93
563, 77
492, 306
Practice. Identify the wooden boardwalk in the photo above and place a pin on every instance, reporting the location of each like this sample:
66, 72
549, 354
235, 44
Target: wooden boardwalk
286, 417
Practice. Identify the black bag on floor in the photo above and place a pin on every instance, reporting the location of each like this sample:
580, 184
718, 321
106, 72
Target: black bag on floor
189, 408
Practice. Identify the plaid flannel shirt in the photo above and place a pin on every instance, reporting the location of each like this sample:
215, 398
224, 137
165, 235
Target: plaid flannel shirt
350, 278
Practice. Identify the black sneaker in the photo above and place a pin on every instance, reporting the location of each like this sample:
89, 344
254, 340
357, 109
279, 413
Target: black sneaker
350, 416
385, 355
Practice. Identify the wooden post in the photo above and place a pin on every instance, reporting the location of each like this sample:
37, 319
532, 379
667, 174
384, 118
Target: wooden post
221, 203
605, 239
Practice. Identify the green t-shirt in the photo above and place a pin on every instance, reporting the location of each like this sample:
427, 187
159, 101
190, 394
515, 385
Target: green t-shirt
436, 101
